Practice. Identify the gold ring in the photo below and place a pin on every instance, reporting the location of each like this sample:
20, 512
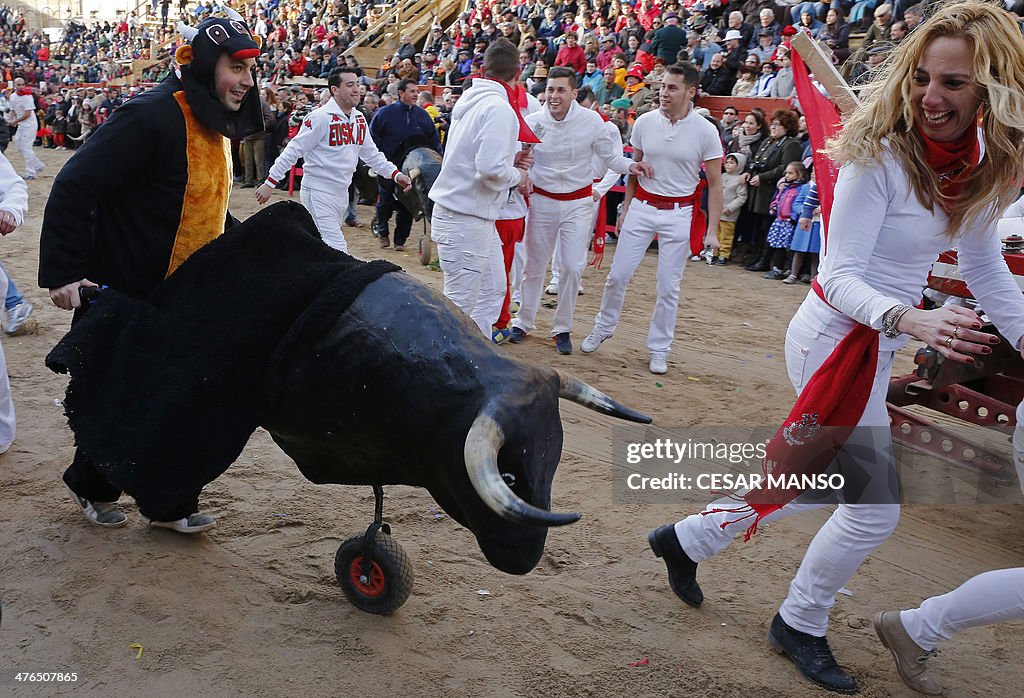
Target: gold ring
956, 328
949, 342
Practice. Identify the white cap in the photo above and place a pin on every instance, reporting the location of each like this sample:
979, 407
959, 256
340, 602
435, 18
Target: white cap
733, 34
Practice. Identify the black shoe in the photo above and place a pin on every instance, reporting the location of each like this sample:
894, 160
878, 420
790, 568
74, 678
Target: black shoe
682, 571
516, 336
384, 241
721, 261
758, 266
775, 274
812, 657
247, 185
562, 343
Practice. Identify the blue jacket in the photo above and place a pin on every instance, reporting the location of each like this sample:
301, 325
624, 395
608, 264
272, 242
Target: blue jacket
395, 123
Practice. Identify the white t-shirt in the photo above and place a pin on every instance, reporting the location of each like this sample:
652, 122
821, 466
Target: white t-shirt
675, 151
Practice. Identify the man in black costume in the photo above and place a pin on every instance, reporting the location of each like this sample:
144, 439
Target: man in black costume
128, 223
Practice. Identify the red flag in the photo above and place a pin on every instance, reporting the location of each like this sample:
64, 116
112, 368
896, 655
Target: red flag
823, 123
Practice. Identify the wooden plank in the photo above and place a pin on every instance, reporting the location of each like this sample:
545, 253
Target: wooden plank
819, 62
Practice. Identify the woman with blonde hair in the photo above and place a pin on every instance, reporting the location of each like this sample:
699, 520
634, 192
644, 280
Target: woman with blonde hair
913, 181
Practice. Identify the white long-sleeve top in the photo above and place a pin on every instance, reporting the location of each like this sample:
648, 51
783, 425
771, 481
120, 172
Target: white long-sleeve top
13, 191
882, 243
563, 160
514, 207
607, 177
332, 143
478, 167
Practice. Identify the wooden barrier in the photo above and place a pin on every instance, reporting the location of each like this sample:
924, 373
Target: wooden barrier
717, 105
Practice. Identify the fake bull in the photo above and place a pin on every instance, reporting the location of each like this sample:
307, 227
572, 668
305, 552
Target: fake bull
362, 375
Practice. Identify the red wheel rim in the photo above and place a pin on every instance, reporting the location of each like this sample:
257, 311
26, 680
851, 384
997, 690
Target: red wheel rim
374, 586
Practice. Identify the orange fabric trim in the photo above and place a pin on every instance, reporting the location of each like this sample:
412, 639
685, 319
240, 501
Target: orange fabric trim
204, 207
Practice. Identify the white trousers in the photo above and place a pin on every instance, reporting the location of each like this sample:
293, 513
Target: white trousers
556, 258
469, 250
6, 404
328, 209
568, 224
1018, 445
23, 140
641, 224
515, 277
991, 597
850, 534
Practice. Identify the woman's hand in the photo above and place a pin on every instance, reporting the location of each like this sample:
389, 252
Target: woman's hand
755, 181
951, 330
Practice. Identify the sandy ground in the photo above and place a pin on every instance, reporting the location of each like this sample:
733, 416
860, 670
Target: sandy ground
253, 608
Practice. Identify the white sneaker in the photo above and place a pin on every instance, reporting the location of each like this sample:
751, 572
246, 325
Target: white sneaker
17, 317
193, 523
659, 364
695, 258
100, 513
580, 291
592, 342
551, 290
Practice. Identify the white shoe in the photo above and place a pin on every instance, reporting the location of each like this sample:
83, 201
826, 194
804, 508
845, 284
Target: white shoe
551, 290
17, 316
100, 513
193, 523
592, 342
659, 364
695, 258
580, 292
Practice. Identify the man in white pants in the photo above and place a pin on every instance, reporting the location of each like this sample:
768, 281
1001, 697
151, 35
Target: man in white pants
13, 207
676, 141
332, 139
482, 161
604, 180
23, 104
562, 204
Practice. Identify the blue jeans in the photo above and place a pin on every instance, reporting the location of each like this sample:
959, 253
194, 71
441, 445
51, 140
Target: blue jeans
13, 296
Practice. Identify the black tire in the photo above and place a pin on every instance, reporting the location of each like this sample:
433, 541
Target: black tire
391, 576
426, 250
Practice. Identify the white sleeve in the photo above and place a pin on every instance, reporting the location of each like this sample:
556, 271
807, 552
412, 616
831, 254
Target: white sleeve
1015, 210
981, 262
493, 160
609, 151
859, 209
312, 133
371, 155
13, 191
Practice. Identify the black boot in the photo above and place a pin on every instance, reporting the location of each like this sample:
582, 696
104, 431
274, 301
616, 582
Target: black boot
760, 263
682, 571
812, 657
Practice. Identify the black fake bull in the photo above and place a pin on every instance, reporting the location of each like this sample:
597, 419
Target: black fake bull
365, 181
267, 326
422, 165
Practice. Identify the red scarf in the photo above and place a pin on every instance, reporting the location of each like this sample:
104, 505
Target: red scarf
953, 162
517, 100
25, 91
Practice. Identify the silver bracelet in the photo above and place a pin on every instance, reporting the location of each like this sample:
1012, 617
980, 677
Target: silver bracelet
892, 318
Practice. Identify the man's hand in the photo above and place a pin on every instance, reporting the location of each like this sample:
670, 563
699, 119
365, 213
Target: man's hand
66, 297
525, 186
641, 168
402, 180
7, 224
618, 221
263, 193
596, 194
524, 159
754, 181
711, 240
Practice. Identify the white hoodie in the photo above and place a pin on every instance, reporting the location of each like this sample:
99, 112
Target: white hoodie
478, 170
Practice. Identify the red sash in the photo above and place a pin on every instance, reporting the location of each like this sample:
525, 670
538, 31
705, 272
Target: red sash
698, 221
581, 193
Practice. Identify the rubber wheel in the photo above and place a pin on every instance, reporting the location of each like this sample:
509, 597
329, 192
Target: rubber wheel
426, 250
391, 576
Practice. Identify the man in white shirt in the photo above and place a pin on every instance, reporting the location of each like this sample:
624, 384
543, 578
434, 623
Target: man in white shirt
332, 139
23, 104
562, 204
676, 141
482, 161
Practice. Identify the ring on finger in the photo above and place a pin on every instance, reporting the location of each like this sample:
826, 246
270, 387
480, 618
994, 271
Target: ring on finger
949, 342
956, 328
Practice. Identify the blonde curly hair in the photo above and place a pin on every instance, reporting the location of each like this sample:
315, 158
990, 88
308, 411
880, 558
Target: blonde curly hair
997, 46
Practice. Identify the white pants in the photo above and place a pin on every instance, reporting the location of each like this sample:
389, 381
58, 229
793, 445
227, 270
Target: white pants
567, 223
515, 277
556, 258
6, 404
1018, 445
328, 209
991, 597
850, 534
474, 269
642, 222
23, 140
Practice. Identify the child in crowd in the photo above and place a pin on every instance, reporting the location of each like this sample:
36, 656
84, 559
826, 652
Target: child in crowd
780, 234
734, 195
60, 129
807, 236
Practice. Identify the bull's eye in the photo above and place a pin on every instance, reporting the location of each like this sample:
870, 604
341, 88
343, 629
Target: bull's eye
509, 479
218, 35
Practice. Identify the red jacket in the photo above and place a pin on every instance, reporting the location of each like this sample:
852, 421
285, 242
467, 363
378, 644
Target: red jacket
573, 57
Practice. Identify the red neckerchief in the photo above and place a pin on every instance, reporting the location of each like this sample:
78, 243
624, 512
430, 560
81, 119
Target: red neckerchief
952, 161
517, 100
25, 91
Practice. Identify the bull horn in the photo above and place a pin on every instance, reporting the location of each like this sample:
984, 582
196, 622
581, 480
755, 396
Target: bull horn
186, 31
572, 388
414, 173
233, 14
481, 453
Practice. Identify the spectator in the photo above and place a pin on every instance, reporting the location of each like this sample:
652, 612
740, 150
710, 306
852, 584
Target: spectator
736, 53
836, 35
765, 48
571, 55
592, 77
763, 85
607, 52
668, 40
746, 82
784, 87
717, 79
641, 97
608, 90
746, 30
